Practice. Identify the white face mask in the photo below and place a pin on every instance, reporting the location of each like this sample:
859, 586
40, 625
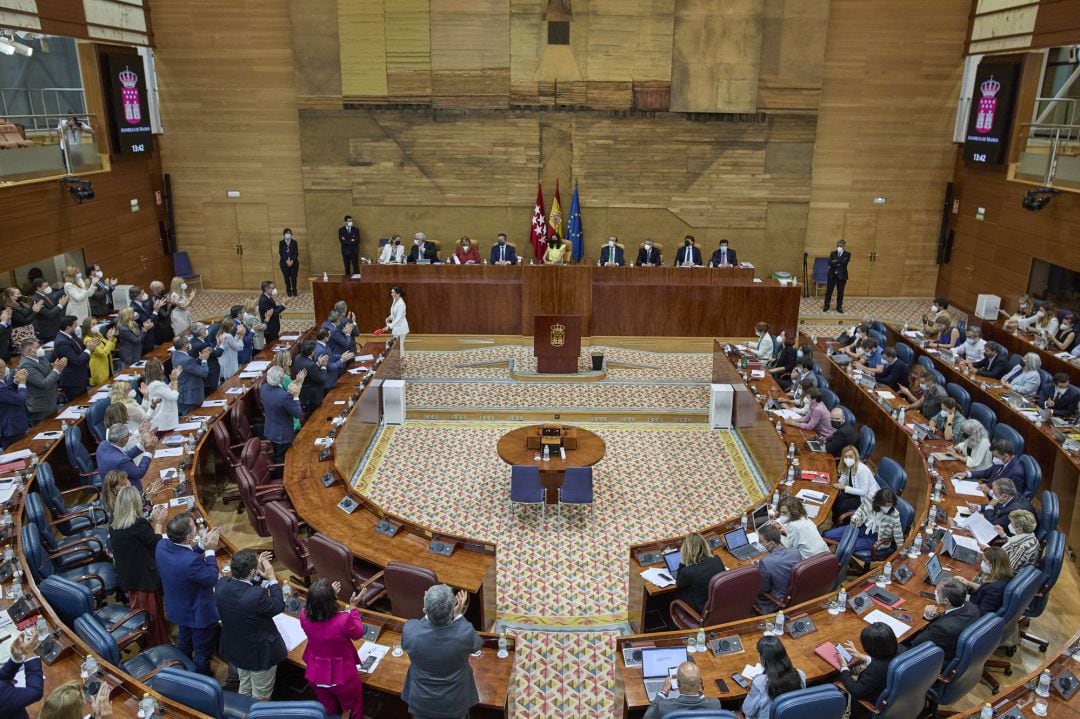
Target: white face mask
849, 461
985, 567
349, 224
46, 289
273, 292
934, 308
99, 274
78, 276
648, 247
799, 354
1013, 529
998, 461
40, 352
144, 297
839, 250
183, 285
288, 235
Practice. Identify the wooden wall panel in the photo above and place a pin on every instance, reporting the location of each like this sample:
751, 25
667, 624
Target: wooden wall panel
408, 49
229, 110
119, 21
1058, 23
362, 46
892, 79
716, 56
317, 64
470, 52
793, 40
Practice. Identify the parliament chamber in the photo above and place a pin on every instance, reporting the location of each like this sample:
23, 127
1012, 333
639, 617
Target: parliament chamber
540, 359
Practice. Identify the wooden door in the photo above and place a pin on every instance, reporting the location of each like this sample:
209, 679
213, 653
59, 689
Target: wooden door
257, 248
239, 245
222, 243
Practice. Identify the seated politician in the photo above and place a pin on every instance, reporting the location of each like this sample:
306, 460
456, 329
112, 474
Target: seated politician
422, 250
611, 254
699, 565
465, 253
724, 257
1060, 397
393, 252
688, 255
648, 255
502, 253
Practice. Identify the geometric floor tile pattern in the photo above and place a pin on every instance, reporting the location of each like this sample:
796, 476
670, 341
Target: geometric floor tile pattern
560, 674
512, 395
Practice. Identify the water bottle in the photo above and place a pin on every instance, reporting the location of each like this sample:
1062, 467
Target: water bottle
791, 451
147, 707
42, 629
779, 427
790, 475
775, 499
547, 452
886, 573
502, 653
1043, 689
780, 623
841, 599
700, 639
9, 553
325, 277
916, 546
16, 587
902, 416
987, 712
88, 674
744, 521
5, 520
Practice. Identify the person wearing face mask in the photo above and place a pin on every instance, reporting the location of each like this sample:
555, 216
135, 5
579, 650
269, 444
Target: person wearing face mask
764, 347
974, 450
77, 289
1025, 308
925, 394
817, 419
111, 456
180, 299
893, 371
132, 335
76, 375
989, 594
878, 521
502, 252
948, 336
1064, 338
775, 567
1022, 546
270, 311
1060, 397
689, 255
797, 529
1006, 465
699, 565
554, 254
1044, 321
949, 616
949, 421
800, 402
844, 434
724, 257
349, 237
47, 314
14, 421
1004, 500
1025, 378
611, 254
855, 480
200, 340
973, 348
781, 366
995, 362
422, 250
397, 324
803, 369
392, 252
101, 288
465, 253
289, 261
837, 276
648, 255
939, 308
191, 386
42, 380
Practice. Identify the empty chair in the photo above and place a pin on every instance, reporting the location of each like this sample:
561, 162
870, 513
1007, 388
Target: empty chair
1019, 593
1052, 559
228, 455
829, 398
961, 395
821, 381
878, 326
1004, 431
821, 273
904, 352
405, 586
79, 457
74, 518
925, 362
71, 600
1032, 476
973, 647
255, 458
910, 677
239, 424
890, 474
866, 442
823, 702
849, 416
200, 693
1047, 514
254, 499
334, 561
525, 488
66, 552
182, 268
810, 578
985, 415
844, 551
289, 548
287, 710
731, 597
939, 378
98, 577
95, 418
577, 488
92, 631
878, 337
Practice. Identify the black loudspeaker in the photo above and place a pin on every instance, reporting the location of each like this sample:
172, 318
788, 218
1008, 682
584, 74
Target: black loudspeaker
943, 233
169, 236
948, 246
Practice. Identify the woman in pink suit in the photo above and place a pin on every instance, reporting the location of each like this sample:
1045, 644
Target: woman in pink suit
330, 654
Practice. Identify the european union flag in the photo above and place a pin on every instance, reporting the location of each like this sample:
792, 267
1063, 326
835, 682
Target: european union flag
573, 229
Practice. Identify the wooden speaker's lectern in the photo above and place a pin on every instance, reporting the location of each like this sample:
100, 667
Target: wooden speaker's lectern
557, 343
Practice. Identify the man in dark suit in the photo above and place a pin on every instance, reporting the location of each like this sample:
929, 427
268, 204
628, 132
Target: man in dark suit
335, 363
289, 261
48, 315
1004, 498
349, 237
946, 624
611, 255
200, 340
422, 250
145, 312
1059, 396
893, 371
42, 380
724, 257
775, 568
838, 276
189, 573
280, 408
6, 350
1006, 466
101, 291
159, 296
270, 311
14, 421
314, 389
691, 695
111, 456
250, 640
195, 369
440, 681
995, 361
15, 698
688, 255
76, 375
502, 253
844, 434
648, 256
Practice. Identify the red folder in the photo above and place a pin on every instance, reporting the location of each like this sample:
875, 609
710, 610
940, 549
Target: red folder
827, 651
380, 331
815, 476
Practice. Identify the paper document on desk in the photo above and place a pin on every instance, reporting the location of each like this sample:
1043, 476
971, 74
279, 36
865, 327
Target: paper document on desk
897, 626
884, 394
257, 366
215, 403
169, 452
187, 426
56, 434
809, 495
980, 528
371, 649
250, 375
364, 358
757, 374
968, 542
73, 412
786, 413
290, 630
966, 487
6, 492
912, 333
124, 377
752, 670
741, 348
236, 390
289, 337
658, 577
12, 456
357, 370
812, 510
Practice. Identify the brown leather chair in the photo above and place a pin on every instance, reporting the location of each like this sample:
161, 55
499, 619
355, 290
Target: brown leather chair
732, 595
227, 456
255, 387
255, 457
254, 498
289, 548
333, 560
405, 585
811, 578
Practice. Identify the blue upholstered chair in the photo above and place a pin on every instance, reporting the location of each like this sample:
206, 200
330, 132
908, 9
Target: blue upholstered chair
98, 577
74, 518
829, 398
985, 415
939, 378
1052, 559
66, 552
910, 677
823, 702
904, 352
849, 416
696, 714
1047, 514
1032, 476
200, 693
1004, 431
92, 631
961, 395
95, 418
925, 361
287, 710
71, 600
844, 551
866, 442
1019, 593
79, 457
525, 488
890, 474
973, 647
577, 487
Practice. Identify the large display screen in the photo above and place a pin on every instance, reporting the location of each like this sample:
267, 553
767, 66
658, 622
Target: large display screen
987, 136
126, 81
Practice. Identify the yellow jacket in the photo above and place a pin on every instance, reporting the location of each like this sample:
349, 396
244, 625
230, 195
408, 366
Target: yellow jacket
101, 361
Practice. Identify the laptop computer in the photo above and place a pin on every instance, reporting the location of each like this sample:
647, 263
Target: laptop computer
739, 545
673, 560
947, 356
760, 516
656, 665
934, 572
815, 445
957, 551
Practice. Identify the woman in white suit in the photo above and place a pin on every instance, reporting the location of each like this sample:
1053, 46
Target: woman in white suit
393, 252
396, 324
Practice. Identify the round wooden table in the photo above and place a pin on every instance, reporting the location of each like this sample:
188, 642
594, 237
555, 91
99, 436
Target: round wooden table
513, 450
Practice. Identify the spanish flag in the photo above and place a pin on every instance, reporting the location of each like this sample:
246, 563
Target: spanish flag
555, 219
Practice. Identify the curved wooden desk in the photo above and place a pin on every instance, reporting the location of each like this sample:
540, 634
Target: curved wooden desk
514, 449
